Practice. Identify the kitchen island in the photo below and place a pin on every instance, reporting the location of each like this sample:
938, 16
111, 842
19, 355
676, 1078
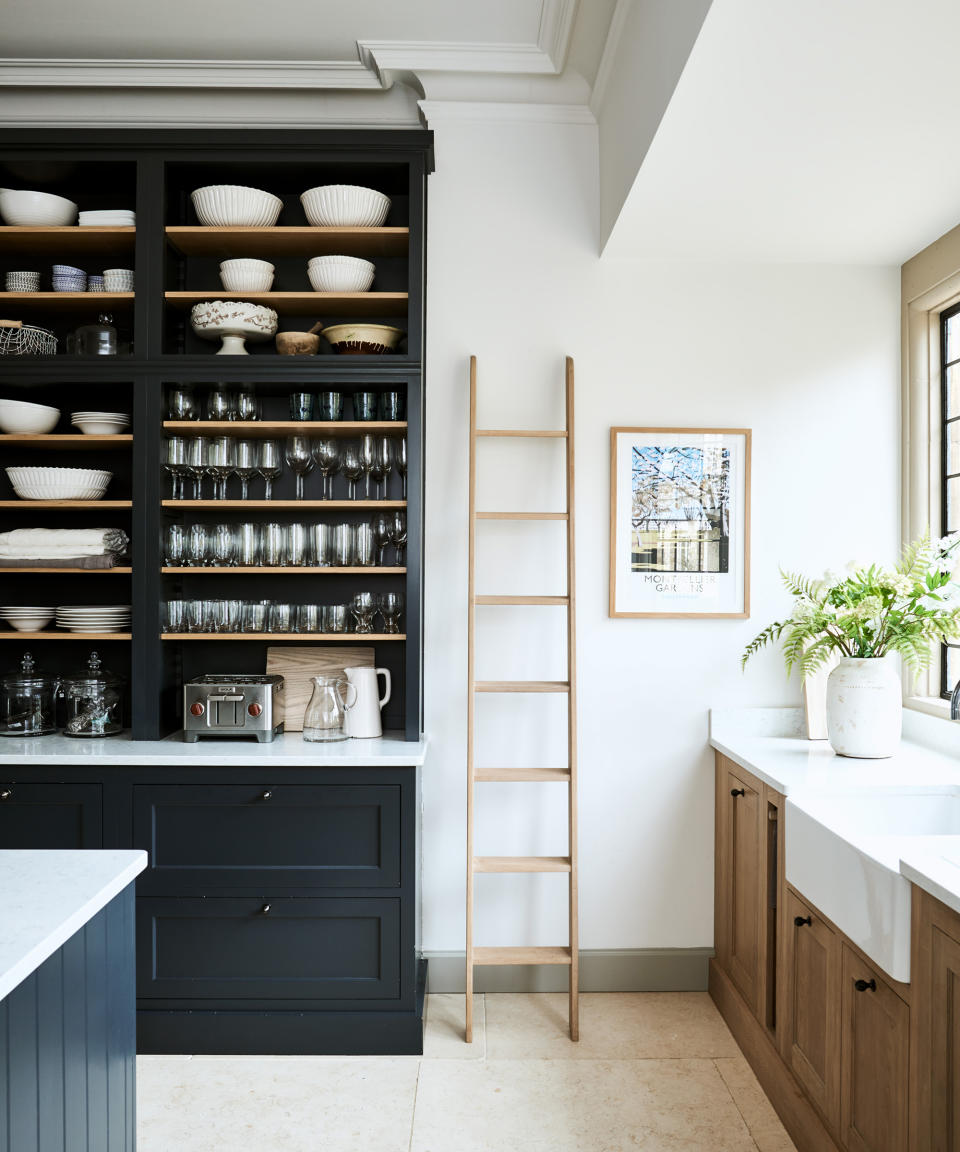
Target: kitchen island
67, 1000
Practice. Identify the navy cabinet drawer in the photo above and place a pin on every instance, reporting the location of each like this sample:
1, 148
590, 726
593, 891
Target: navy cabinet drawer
301, 949
203, 837
50, 815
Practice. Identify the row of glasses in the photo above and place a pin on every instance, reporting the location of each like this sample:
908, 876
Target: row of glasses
249, 616
238, 402
367, 406
193, 457
286, 545
371, 457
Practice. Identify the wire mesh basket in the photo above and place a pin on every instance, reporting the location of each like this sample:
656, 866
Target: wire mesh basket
27, 341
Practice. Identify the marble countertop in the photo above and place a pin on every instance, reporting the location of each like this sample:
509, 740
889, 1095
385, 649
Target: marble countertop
47, 896
289, 749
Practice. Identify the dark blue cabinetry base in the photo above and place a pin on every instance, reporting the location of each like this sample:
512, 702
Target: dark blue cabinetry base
67, 1044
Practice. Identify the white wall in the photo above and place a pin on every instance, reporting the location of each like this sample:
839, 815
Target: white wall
806, 356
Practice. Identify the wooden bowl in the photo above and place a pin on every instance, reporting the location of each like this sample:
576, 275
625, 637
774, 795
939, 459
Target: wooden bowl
297, 343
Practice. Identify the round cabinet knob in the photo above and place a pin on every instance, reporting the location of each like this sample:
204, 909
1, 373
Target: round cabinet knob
266, 795
265, 909
737, 792
863, 985
254, 709
196, 709
5, 794
801, 920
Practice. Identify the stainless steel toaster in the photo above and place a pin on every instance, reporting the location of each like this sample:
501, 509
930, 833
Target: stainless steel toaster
219, 704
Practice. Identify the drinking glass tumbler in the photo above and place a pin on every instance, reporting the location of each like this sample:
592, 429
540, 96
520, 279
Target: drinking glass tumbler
296, 551
281, 618
173, 616
344, 544
301, 406
308, 618
321, 545
253, 617
224, 545
365, 405
182, 404
335, 618
221, 404
366, 546
329, 405
273, 545
248, 545
174, 545
248, 406
198, 546
392, 406
195, 615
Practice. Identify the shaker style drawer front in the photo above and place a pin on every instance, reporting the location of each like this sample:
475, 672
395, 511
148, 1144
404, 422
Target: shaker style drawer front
242, 836
50, 815
293, 949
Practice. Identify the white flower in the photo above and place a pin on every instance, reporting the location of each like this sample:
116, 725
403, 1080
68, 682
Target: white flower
896, 582
830, 578
944, 564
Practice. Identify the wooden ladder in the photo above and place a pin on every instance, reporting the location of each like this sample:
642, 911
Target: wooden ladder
569, 954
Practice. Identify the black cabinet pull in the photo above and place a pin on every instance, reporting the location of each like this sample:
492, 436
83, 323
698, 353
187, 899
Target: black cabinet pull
737, 792
863, 985
266, 795
6, 794
801, 920
265, 909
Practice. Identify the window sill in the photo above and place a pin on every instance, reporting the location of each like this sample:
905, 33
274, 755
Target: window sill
931, 705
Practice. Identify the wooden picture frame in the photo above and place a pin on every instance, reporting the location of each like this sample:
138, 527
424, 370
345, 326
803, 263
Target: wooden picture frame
680, 523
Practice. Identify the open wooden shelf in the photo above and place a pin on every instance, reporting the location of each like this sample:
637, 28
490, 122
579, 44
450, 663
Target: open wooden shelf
120, 571
253, 505
65, 635
72, 238
304, 240
87, 505
265, 429
68, 301
365, 304
65, 440
257, 570
347, 637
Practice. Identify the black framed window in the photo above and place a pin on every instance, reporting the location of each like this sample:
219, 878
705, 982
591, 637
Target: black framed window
950, 462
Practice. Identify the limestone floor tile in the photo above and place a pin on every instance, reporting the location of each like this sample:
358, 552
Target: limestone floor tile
576, 1106
291, 1104
613, 1026
443, 1029
757, 1111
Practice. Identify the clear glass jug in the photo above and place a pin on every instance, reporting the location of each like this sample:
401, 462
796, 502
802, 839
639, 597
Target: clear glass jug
323, 719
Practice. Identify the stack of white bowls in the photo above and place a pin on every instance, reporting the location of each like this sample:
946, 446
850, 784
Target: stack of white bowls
118, 279
108, 218
23, 282
340, 274
26, 617
59, 483
100, 423
94, 617
66, 278
246, 275
22, 417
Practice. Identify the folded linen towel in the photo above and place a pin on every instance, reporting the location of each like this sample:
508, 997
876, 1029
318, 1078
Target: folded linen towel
105, 560
49, 550
104, 539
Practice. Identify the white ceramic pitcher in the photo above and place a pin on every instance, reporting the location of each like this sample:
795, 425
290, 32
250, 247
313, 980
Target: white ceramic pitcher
362, 719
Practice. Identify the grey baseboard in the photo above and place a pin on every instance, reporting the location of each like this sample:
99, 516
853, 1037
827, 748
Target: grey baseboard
601, 970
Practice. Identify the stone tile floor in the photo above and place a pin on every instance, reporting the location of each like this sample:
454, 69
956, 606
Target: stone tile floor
655, 1071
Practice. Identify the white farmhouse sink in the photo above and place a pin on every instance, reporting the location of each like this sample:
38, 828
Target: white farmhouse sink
843, 855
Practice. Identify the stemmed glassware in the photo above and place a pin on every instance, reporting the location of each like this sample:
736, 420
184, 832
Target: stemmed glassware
398, 535
221, 461
368, 458
351, 467
326, 452
390, 605
382, 464
246, 465
382, 529
196, 464
175, 462
299, 455
401, 462
268, 464
364, 607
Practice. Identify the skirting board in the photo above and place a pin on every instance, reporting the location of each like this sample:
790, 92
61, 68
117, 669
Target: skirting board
601, 970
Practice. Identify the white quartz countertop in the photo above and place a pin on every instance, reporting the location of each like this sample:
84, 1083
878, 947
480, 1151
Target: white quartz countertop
289, 749
47, 896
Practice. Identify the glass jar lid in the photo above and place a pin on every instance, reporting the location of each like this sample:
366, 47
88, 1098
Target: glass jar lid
27, 676
94, 676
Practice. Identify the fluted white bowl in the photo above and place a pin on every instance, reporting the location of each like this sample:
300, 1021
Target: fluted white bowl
340, 274
59, 483
345, 206
26, 209
245, 275
235, 206
18, 416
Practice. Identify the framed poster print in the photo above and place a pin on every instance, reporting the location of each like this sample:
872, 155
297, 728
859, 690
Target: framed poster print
680, 522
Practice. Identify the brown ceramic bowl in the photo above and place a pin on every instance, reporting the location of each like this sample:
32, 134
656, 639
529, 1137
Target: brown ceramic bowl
363, 339
297, 343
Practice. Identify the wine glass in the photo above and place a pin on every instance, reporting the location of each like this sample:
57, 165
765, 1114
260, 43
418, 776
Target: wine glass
398, 535
248, 407
181, 404
175, 462
364, 607
246, 466
299, 455
221, 461
268, 464
401, 462
390, 605
368, 457
221, 404
326, 452
351, 467
382, 464
196, 465
382, 533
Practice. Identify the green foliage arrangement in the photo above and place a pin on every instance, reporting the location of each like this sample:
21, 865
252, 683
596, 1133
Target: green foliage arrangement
872, 611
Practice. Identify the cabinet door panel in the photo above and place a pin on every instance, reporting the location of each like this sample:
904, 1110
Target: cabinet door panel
813, 1020
50, 816
945, 1043
875, 1060
747, 888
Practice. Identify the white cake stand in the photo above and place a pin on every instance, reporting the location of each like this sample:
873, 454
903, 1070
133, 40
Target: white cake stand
233, 323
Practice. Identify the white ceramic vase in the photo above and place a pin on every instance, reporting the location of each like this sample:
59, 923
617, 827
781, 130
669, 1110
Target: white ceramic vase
864, 708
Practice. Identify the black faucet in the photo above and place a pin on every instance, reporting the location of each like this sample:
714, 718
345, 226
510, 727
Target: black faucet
955, 702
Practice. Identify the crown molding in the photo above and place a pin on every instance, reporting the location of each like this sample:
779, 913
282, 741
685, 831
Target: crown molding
462, 111
435, 56
237, 74
556, 28
618, 23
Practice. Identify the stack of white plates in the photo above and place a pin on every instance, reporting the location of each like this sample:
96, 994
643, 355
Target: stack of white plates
94, 618
108, 218
26, 618
100, 423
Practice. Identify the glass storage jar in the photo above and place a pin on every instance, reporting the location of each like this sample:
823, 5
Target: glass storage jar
93, 700
27, 701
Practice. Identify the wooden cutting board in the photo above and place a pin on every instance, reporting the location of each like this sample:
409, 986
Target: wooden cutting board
296, 665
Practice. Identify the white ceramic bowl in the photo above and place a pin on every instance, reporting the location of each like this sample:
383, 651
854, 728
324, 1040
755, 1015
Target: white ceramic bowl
345, 206
31, 209
29, 623
100, 427
21, 417
235, 206
246, 275
59, 483
340, 274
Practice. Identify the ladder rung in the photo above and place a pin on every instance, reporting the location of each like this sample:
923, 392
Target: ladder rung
521, 955
521, 863
521, 515
520, 432
521, 600
520, 775
521, 686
